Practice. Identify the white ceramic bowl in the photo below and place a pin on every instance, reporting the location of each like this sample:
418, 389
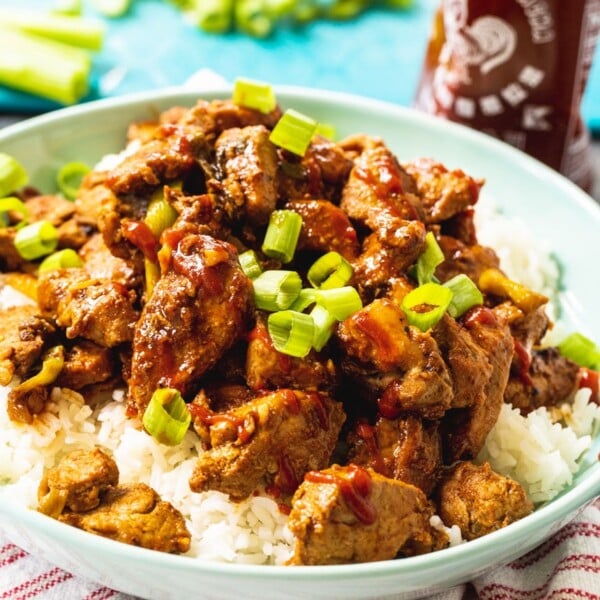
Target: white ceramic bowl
555, 210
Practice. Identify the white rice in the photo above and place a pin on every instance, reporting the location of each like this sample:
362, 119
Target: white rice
535, 450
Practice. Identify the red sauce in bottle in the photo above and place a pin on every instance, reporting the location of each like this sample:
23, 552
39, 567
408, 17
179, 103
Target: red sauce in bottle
355, 484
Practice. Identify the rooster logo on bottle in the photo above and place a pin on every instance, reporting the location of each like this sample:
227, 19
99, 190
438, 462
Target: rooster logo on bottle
486, 43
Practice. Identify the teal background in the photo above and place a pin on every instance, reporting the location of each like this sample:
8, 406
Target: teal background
378, 55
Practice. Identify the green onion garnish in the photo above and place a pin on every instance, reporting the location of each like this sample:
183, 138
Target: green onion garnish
306, 297
340, 302
324, 322
52, 364
425, 305
69, 178
276, 290
160, 214
427, 262
293, 132
13, 175
465, 294
72, 31
254, 94
63, 259
581, 350
167, 417
43, 67
253, 18
112, 8
36, 240
326, 130
291, 332
12, 204
212, 16
330, 271
282, 235
250, 265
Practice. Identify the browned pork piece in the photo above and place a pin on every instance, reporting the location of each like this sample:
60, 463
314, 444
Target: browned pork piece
83, 491
266, 368
465, 429
408, 449
100, 310
246, 170
325, 228
380, 195
86, 364
22, 337
549, 380
444, 193
472, 260
479, 500
350, 514
198, 309
394, 363
270, 441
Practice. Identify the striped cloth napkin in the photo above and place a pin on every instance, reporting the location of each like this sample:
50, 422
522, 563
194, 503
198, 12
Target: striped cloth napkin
565, 567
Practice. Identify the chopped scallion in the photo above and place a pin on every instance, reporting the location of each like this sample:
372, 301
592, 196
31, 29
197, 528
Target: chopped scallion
291, 332
160, 214
69, 178
250, 265
12, 205
254, 94
276, 290
293, 132
167, 417
253, 18
282, 235
425, 305
581, 350
326, 130
330, 271
306, 297
324, 323
13, 175
63, 259
36, 240
465, 294
339, 302
52, 364
427, 262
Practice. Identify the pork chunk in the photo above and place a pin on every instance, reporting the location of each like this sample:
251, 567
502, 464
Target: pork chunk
270, 441
479, 500
349, 515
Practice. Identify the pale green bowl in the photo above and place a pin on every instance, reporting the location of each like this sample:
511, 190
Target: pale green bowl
556, 211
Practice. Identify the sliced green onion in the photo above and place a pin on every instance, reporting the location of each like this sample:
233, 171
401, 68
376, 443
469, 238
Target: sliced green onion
12, 204
293, 132
326, 130
13, 175
306, 297
52, 364
282, 235
151, 276
291, 332
425, 306
63, 259
36, 240
345, 9
253, 18
431, 257
465, 294
250, 265
69, 178
72, 8
330, 271
167, 417
112, 8
276, 290
212, 16
43, 67
160, 214
581, 350
306, 10
254, 94
74, 31
340, 302
324, 323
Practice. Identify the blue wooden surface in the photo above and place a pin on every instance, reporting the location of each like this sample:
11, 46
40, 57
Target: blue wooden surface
378, 55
